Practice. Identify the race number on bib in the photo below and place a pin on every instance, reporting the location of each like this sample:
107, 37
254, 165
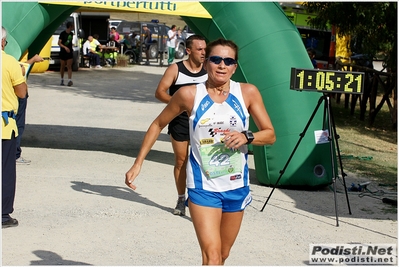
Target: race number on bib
217, 160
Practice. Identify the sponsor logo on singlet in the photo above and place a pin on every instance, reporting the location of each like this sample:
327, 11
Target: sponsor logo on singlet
205, 123
214, 131
205, 105
207, 141
235, 177
233, 121
237, 107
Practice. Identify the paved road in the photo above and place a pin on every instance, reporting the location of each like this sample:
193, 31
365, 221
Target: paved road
74, 208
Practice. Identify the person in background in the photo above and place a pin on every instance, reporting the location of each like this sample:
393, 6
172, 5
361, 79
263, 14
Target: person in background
133, 44
113, 49
134, 39
147, 41
182, 73
217, 171
171, 43
90, 51
13, 87
312, 55
66, 52
96, 45
115, 34
21, 114
179, 35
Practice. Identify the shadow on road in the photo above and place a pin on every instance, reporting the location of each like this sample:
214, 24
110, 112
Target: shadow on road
121, 142
113, 84
51, 258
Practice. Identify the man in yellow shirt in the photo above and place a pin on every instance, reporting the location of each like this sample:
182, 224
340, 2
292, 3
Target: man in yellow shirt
95, 44
13, 86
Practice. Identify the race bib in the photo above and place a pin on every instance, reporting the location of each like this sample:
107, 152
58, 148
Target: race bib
217, 160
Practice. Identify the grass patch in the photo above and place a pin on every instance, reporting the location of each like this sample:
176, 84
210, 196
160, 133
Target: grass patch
369, 152
368, 211
392, 210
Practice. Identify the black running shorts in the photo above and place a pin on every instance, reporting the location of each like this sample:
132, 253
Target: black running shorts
179, 128
65, 56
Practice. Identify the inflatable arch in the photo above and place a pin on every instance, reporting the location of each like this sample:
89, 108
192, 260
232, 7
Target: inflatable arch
270, 46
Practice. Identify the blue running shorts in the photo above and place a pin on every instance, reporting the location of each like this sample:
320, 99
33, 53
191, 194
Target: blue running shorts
229, 201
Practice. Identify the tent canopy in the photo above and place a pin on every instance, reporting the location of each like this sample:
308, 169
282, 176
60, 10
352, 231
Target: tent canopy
189, 9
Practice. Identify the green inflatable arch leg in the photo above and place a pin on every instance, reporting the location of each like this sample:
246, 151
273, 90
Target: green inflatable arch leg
30, 25
270, 46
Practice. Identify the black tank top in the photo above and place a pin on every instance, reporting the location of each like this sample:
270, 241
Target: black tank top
185, 77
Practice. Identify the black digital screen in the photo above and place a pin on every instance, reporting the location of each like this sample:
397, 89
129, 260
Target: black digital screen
346, 82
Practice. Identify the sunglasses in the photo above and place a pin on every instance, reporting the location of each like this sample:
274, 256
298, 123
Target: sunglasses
227, 60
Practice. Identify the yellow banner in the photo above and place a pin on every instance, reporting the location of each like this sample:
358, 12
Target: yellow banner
189, 9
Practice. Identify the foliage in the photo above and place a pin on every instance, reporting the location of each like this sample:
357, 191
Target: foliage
122, 57
368, 152
372, 26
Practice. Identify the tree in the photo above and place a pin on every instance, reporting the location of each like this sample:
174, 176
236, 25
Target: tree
372, 27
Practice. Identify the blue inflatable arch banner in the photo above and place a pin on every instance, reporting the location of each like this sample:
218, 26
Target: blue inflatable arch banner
270, 46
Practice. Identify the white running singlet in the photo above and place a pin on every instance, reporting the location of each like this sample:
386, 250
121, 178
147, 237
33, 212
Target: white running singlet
211, 166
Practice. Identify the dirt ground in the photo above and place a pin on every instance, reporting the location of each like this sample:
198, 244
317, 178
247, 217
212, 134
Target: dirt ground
74, 209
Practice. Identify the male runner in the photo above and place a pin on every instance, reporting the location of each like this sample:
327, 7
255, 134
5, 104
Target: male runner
183, 73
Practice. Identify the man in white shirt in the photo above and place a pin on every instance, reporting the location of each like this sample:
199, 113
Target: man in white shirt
91, 53
172, 36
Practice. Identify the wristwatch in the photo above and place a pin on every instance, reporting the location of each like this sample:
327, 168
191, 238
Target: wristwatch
249, 135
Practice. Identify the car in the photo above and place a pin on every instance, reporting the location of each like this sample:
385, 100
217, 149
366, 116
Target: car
159, 37
187, 32
114, 23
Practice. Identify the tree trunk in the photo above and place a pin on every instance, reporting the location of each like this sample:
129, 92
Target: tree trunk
372, 89
394, 113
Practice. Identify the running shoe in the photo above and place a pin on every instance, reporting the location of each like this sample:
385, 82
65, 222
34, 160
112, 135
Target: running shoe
180, 208
21, 161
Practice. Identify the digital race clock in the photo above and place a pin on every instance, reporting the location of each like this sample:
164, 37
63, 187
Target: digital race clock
327, 81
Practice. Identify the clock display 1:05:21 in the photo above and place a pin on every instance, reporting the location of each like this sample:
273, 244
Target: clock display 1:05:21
327, 81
